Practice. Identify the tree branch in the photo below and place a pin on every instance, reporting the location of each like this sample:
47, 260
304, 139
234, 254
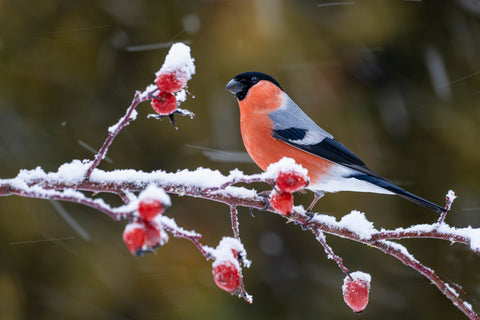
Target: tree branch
71, 180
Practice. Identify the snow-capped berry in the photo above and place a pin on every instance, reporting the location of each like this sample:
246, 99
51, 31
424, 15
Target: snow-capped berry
171, 81
148, 209
226, 276
164, 104
290, 181
356, 290
134, 237
282, 202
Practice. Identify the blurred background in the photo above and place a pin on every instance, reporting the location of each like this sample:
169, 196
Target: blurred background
398, 82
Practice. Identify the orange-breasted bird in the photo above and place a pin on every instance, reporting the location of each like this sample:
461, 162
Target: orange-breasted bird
273, 127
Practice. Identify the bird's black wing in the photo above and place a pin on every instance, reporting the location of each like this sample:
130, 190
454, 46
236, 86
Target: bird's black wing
327, 148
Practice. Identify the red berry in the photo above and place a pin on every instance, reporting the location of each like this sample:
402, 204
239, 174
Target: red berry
153, 237
134, 237
282, 202
150, 208
171, 81
164, 104
355, 294
141, 237
290, 181
226, 276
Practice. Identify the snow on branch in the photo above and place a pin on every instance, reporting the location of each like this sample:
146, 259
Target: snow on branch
146, 201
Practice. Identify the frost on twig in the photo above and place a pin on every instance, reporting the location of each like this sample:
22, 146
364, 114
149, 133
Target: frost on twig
147, 202
448, 203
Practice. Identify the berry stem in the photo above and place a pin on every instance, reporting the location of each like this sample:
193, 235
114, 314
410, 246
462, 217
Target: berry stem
320, 236
235, 224
170, 226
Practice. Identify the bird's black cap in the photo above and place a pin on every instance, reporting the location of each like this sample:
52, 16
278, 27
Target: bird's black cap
241, 83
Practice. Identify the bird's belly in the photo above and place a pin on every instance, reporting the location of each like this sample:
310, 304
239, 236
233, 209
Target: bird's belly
340, 178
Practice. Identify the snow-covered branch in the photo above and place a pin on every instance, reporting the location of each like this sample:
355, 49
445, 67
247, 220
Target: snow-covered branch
67, 183
146, 200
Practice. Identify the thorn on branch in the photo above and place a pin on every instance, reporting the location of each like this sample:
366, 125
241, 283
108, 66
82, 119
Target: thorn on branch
172, 121
181, 112
250, 210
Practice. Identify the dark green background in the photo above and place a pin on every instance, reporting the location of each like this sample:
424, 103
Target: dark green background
396, 81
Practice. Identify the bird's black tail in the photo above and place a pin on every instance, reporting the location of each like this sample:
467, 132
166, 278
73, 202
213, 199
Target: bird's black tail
378, 181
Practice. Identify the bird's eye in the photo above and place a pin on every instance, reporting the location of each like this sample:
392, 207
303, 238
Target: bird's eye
254, 80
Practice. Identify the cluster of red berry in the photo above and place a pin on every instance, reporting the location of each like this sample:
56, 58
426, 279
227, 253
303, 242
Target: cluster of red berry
355, 293
287, 182
144, 234
168, 83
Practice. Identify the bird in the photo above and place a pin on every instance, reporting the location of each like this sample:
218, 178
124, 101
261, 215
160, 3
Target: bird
273, 126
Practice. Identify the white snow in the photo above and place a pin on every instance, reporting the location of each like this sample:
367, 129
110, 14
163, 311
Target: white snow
356, 222
179, 58
284, 165
223, 252
451, 289
155, 193
149, 90
473, 234
163, 235
172, 226
357, 275
467, 305
400, 248
325, 219
132, 117
451, 195
73, 171
181, 96
239, 192
28, 175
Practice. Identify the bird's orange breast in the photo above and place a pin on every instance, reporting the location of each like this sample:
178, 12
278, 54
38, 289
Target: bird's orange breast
256, 128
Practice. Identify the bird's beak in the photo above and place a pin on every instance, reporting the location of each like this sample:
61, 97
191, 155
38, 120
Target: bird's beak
234, 86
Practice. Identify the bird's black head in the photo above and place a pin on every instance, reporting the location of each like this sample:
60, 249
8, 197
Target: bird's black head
241, 83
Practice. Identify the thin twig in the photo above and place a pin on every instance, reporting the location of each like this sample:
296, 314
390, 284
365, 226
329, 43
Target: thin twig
74, 197
320, 236
399, 252
234, 218
170, 226
114, 130
448, 204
